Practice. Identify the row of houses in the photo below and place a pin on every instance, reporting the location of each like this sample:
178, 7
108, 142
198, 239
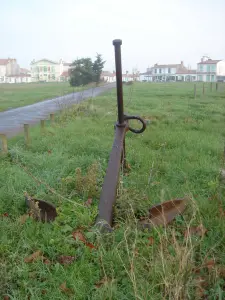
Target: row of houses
208, 70
46, 70
10, 72
43, 70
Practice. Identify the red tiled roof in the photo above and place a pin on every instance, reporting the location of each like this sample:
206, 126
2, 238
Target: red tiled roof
209, 61
3, 61
185, 71
167, 66
24, 70
65, 74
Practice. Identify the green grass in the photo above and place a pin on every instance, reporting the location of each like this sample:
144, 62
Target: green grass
16, 95
179, 154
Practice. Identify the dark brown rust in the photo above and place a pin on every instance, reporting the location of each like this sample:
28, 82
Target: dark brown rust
119, 83
117, 156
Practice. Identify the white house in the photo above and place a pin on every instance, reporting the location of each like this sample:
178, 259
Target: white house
8, 67
186, 75
21, 78
210, 70
166, 72
47, 70
108, 76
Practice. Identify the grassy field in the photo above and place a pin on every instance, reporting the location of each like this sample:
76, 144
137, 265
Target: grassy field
180, 154
16, 95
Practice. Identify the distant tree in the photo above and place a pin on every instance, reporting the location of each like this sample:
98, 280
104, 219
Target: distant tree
98, 66
81, 72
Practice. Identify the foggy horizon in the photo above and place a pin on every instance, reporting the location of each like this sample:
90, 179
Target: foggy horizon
166, 32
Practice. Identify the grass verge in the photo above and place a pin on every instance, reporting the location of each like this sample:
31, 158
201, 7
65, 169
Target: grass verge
179, 154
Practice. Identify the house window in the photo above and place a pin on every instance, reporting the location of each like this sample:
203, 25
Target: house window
207, 77
208, 68
212, 78
53, 69
45, 69
169, 70
201, 68
160, 71
213, 68
200, 77
155, 71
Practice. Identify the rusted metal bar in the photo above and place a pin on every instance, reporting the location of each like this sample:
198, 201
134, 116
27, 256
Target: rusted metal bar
119, 83
117, 156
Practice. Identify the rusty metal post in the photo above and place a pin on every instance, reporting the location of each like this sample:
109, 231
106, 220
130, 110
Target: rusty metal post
203, 89
26, 134
117, 156
42, 126
52, 119
195, 90
119, 83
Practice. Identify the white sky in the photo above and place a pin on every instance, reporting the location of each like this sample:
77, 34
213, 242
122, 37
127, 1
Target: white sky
159, 31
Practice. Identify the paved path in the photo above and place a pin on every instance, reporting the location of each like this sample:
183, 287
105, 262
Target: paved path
11, 121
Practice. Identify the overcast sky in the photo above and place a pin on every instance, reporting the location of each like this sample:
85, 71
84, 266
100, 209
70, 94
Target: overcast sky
159, 31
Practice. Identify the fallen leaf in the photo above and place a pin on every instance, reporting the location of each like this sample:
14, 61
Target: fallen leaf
195, 230
23, 218
88, 202
151, 241
5, 297
222, 212
44, 292
5, 215
221, 270
49, 151
65, 289
103, 281
136, 252
210, 264
66, 259
36, 255
46, 261
201, 284
77, 235
90, 245
164, 213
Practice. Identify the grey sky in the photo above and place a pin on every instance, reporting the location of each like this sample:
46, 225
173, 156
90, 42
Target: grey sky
159, 31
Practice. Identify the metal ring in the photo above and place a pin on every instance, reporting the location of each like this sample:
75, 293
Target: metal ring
139, 119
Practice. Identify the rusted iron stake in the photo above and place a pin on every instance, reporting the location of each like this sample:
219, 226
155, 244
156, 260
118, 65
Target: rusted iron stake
117, 156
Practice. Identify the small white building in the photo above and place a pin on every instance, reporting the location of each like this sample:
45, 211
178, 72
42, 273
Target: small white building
48, 70
21, 78
107, 76
210, 70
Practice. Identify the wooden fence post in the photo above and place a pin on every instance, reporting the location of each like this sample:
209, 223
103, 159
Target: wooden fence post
27, 134
4, 143
52, 119
211, 86
217, 86
42, 126
195, 90
203, 88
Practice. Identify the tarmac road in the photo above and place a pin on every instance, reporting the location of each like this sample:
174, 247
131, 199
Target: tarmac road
11, 121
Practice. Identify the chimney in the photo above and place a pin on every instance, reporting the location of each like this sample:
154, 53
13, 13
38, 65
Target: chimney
182, 63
